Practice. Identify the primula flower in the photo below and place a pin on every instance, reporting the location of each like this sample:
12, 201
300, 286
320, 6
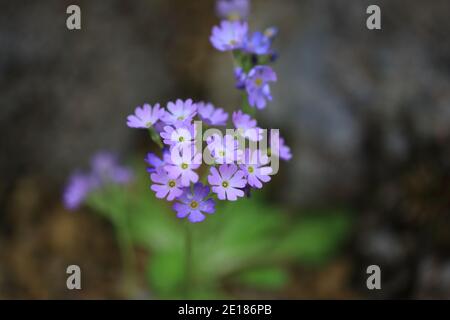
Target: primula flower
246, 126
165, 186
227, 182
229, 36
77, 190
257, 85
240, 76
280, 149
154, 162
105, 170
181, 136
255, 168
258, 43
194, 203
224, 149
182, 164
180, 111
233, 9
145, 117
210, 115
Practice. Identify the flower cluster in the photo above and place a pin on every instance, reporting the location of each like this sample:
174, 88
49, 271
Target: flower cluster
252, 52
231, 164
105, 169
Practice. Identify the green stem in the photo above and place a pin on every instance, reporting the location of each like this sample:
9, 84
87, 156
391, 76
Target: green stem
188, 260
155, 137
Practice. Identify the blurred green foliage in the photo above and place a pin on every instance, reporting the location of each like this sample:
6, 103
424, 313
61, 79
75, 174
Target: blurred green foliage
249, 242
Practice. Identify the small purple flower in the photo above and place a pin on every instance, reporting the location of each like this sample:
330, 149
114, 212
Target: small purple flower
154, 162
77, 190
257, 85
180, 111
105, 168
258, 44
246, 126
240, 76
227, 182
182, 163
181, 136
229, 36
212, 116
164, 186
233, 9
224, 149
279, 148
145, 117
255, 168
193, 203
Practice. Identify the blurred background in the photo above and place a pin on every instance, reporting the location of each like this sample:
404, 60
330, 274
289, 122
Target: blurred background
366, 113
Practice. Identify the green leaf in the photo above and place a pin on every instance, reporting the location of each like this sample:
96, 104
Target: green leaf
269, 278
316, 238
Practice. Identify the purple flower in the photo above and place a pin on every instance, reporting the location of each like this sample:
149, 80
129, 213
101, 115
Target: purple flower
193, 203
258, 44
180, 111
212, 116
246, 126
240, 76
224, 149
182, 163
280, 149
233, 9
255, 168
257, 85
227, 182
154, 162
145, 117
229, 36
105, 168
77, 190
164, 186
181, 136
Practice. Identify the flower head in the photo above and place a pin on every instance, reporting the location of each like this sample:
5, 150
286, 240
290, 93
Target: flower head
194, 203
229, 36
212, 116
233, 9
77, 190
240, 76
258, 43
180, 111
164, 186
255, 168
227, 182
224, 149
257, 85
106, 169
280, 149
154, 162
182, 163
181, 136
246, 126
145, 117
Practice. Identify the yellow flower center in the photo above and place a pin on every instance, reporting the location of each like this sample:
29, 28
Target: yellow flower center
225, 184
251, 169
172, 183
149, 124
184, 166
181, 139
233, 42
180, 118
258, 82
194, 204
